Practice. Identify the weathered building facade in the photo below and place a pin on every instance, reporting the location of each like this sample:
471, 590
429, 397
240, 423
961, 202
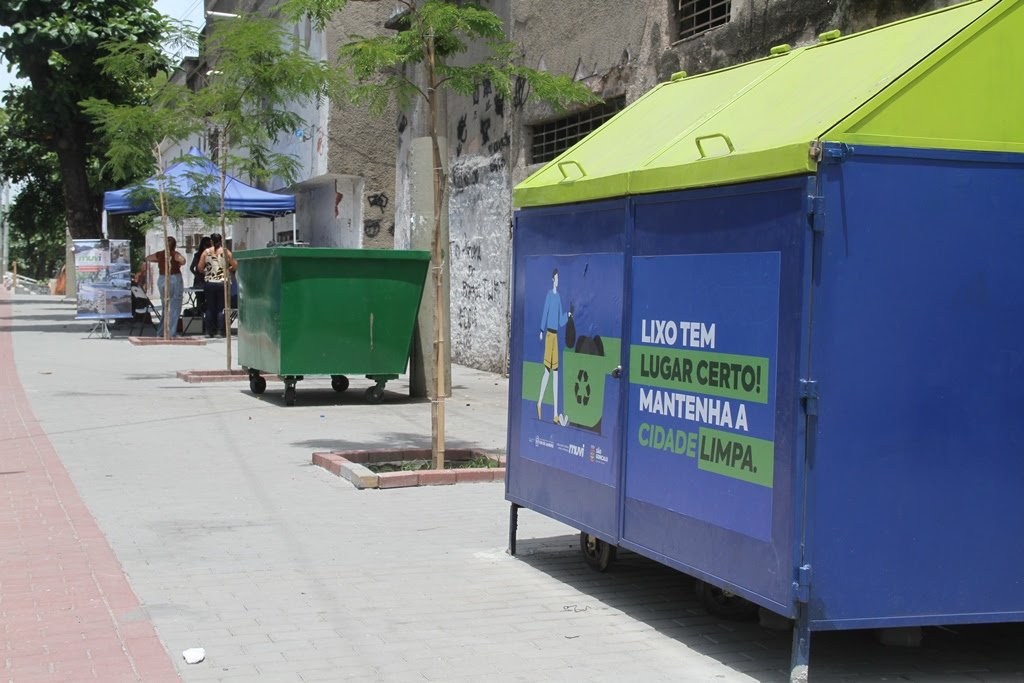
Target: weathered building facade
365, 179
621, 50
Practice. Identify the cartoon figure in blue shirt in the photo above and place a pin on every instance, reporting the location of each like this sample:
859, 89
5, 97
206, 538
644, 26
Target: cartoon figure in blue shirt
553, 317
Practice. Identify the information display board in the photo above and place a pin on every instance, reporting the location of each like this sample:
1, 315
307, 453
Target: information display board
104, 277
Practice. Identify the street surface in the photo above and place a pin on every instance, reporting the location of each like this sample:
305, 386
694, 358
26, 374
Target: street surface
189, 515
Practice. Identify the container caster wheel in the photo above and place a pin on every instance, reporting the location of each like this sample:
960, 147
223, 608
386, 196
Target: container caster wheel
374, 394
596, 553
257, 384
722, 603
339, 383
289, 395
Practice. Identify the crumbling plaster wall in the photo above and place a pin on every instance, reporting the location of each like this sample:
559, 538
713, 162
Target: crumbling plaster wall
758, 25
617, 49
480, 219
359, 142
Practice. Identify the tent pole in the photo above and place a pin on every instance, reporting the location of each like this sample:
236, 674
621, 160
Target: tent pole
295, 234
103, 223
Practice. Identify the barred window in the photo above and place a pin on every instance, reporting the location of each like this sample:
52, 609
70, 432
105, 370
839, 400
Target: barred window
698, 16
550, 139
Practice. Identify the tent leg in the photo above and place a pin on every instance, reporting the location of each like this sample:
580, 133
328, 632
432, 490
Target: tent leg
295, 233
103, 223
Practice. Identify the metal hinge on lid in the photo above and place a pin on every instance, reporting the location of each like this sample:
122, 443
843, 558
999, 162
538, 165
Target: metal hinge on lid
835, 152
809, 396
802, 585
816, 213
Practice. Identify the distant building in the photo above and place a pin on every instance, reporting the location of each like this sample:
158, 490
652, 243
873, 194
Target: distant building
363, 181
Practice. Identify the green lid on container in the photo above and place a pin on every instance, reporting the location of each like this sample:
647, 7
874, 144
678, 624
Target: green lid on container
947, 79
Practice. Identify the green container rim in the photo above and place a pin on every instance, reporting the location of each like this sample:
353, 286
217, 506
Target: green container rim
327, 252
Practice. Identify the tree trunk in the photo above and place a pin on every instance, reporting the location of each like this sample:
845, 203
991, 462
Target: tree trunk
69, 142
166, 294
80, 208
223, 163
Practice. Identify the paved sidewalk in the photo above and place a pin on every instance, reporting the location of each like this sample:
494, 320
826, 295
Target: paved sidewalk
234, 542
67, 610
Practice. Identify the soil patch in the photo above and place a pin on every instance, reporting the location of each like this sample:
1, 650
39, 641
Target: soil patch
400, 468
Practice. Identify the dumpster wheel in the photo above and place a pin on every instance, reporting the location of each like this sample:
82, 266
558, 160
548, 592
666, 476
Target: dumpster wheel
257, 384
598, 554
339, 383
374, 394
722, 603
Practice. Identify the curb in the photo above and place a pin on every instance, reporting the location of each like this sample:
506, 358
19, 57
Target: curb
159, 341
195, 376
351, 465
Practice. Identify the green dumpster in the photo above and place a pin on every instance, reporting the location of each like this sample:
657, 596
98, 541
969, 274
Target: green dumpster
313, 311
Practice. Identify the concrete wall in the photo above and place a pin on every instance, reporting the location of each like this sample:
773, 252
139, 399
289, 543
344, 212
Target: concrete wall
360, 143
615, 52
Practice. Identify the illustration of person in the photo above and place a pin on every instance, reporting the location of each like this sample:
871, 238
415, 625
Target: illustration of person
553, 317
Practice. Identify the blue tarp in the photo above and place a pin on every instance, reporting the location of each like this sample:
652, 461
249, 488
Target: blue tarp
198, 179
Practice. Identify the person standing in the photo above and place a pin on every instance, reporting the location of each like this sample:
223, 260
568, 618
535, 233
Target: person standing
172, 304
198, 276
217, 265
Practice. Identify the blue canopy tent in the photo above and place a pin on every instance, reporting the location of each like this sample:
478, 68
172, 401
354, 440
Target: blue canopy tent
197, 179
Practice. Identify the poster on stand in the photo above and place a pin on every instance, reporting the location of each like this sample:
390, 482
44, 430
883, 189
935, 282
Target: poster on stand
104, 277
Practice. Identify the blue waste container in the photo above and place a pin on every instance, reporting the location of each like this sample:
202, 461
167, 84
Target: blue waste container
802, 379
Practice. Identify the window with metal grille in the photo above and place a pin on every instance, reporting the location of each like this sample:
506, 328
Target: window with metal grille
550, 139
697, 16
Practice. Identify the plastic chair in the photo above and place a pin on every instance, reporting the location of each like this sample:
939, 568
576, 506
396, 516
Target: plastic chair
143, 311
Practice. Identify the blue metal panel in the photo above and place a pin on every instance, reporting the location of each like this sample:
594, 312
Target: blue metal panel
914, 503
564, 438
723, 506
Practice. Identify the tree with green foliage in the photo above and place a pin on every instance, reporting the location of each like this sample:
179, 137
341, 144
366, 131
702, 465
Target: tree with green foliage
55, 45
432, 35
135, 133
257, 72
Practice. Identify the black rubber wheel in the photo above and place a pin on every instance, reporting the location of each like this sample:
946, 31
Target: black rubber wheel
289, 395
596, 553
339, 383
257, 384
722, 603
374, 394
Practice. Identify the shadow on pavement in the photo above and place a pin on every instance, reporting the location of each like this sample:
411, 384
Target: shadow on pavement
383, 441
664, 599
322, 395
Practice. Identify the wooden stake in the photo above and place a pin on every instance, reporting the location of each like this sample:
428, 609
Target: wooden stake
437, 424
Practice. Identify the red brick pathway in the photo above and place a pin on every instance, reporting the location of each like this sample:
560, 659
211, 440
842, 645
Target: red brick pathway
67, 612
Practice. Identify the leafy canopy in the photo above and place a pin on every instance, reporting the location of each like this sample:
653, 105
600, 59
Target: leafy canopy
373, 72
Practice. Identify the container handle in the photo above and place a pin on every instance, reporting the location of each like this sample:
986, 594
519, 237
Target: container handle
700, 139
562, 165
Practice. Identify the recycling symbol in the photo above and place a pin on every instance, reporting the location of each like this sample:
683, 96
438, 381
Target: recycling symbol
582, 388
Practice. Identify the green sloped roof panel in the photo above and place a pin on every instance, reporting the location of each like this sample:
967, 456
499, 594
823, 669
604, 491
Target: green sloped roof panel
967, 96
803, 99
598, 165
749, 122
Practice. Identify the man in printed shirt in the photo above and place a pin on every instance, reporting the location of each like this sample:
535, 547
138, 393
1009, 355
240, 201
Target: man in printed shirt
553, 317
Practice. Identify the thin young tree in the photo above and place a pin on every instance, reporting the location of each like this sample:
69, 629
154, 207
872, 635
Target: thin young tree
136, 134
433, 35
257, 73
